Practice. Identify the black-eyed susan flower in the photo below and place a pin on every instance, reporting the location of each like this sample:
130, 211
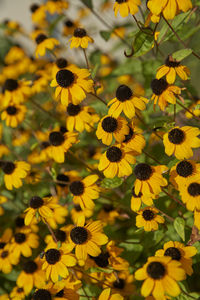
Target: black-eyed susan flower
160, 275
44, 43
163, 93
87, 239
180, 141
108, 295
77, 117
56, 7
149, 219
5, 237
63, 179
110, 127
17, 293
43, 293
23, 242
59, 213
184, 171
194, 108
125, 101
108, 214
179, 252
149, 179
38, 14
13, 114
60, 143
84, 191
60, 63
3, 150
126, 7
169, 8
14, 172
134, 140
15, 91
31, 276
41, 206
80, 39
171, 68
138, 199
116, 162
69, 26
16, 53
77, 212
7, 259
121, 283
190, 194
56, 263
72, 84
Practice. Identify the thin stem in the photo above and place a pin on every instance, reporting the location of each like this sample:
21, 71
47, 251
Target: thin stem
51, 231
153, 158
187, 109
138, 25
86, 59
95, 95
173, 198
178, 37
164, 214
42, 109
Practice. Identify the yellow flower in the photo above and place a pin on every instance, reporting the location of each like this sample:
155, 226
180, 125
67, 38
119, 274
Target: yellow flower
116, 162
84, 191
134, 140
169, 8
77, 212
44, 43
190, 194
17, 293
125, 101
56, 263
177, 251
106, 295
59, 214
80, 39
15, 91
125, 7
110, 127
16, 53
180, 141
149, 219
171, 68
138, 199
149, 179
14, 172
31, 276
72, 84
20, 137
7, 259
69, 26
87, 239
121, 283
164, 93
77, 117
14, 115
60, 143
56, 7
108, 214
38, 14
194, 108
3, 150
161, 275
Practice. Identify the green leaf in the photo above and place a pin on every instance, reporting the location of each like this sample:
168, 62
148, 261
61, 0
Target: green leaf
142, 44
181, 54
88, 3
179, 225
111, 183
105, 34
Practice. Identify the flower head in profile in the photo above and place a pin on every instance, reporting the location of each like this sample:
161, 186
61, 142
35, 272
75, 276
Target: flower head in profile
163, 93
179, 252
126, 102
126, 7
180, 141
80, 39
44, 43
72, 84
171, 68
149, 219
160, 275
87, 239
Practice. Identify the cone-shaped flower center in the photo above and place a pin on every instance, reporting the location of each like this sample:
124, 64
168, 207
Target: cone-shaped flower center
36, 202
8, 167
80, 32
114, 154
77, 188
176, 136
65, 78
30, 267
20, 238
64, 178
61, 63
69, 23
34, 7
156, 270
42, 294
102, 260
109, 124
194, 189
11, 110
52, 256
148, 215
73, 110
169, 62
4, 254
79, 235
119, 284
10, 85
56, 138
123, 93
143, 171
173, 252
60, 235
184, 168
158, 86
40, 38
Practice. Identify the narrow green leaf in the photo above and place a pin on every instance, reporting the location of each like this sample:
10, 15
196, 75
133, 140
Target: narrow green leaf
179, 226
105, 34
181, 54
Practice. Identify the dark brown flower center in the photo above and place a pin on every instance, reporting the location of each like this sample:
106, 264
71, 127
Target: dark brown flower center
143, 171
148, 214
119, 284
121, 1
170, 62
52, 256
60, 235
34, 7
61, 63
176, 136
194, 189
20, 238
4, 254
108, 207
10, 85
73, 110
30, 267
44, 145
79, 235
8, 167
19, 222
56, 138
36, 202
123, 93
158, 86
40, 38
42, 294
11, 110
77, 188
109, 124
69, 23
156, 270
20, 290
173, 252
102, 260
80, 32
65, 78
2, 245
114, 154
62, 178
184, 168
77, 207
60, 294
